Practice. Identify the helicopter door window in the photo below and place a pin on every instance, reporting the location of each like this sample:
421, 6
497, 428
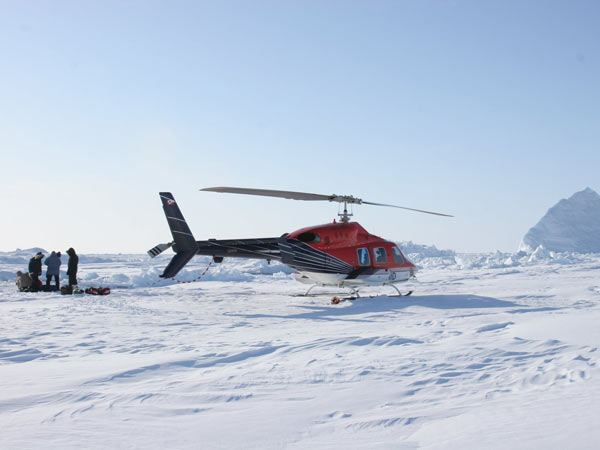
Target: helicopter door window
397, 255
380, 256
363, 257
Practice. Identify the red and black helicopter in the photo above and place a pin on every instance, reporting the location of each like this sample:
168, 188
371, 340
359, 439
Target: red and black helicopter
341, 253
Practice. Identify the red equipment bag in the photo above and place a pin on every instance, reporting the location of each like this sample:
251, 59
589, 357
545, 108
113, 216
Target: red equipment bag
98, 291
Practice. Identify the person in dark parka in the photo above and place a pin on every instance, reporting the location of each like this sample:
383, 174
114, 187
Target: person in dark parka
35, 270
72, 266
53, 262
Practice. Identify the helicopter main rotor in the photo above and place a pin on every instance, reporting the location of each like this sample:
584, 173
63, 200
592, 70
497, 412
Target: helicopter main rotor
292, 195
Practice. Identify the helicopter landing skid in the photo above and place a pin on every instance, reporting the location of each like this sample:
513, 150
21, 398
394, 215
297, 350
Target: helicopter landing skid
402, 295
353, 293
336, 300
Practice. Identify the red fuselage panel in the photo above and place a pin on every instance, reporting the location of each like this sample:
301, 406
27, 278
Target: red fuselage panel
343, 241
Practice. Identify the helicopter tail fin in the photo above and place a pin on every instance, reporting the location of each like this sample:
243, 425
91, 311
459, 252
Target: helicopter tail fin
185, 244
182, 235
177, 262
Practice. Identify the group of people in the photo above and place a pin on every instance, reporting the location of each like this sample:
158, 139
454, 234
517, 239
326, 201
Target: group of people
30, 281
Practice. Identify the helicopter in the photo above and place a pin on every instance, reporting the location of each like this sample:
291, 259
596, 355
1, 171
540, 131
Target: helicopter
341, 253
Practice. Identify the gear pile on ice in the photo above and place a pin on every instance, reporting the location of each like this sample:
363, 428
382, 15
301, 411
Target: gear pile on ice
70, 290
98, 291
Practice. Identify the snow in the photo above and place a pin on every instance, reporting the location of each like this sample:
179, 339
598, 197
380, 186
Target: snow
572, 225
491, 351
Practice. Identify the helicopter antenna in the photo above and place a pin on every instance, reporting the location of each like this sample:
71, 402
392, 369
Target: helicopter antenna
345, 199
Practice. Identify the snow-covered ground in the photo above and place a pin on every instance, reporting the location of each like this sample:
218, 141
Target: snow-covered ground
491, 351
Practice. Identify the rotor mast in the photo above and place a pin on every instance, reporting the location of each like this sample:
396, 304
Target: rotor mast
345, 199
345, 216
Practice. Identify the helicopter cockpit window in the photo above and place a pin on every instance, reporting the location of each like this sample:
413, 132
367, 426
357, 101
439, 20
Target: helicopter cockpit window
363, 257
309, 238
380, 256
397, 255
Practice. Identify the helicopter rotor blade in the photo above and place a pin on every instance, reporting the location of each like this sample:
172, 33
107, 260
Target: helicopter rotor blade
308, 196
404, 207
270, 193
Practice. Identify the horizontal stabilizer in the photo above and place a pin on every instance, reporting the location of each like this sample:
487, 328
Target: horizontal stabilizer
155, 251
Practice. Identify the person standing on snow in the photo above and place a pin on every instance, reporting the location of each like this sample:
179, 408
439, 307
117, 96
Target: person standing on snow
35, 270
53, 262
72, 266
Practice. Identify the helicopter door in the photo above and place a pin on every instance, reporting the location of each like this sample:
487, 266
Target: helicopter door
380, 256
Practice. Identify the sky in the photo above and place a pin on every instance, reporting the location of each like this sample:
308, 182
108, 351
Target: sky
488, 111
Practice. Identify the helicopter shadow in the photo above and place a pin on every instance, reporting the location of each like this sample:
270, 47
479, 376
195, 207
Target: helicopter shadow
383, 304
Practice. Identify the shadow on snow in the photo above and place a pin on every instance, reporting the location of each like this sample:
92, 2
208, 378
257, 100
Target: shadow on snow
384, 304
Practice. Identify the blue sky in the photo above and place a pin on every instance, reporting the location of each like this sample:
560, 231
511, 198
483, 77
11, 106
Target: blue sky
485, 110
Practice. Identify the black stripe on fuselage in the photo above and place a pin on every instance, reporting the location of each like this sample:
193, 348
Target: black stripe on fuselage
291, 252
303, 257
